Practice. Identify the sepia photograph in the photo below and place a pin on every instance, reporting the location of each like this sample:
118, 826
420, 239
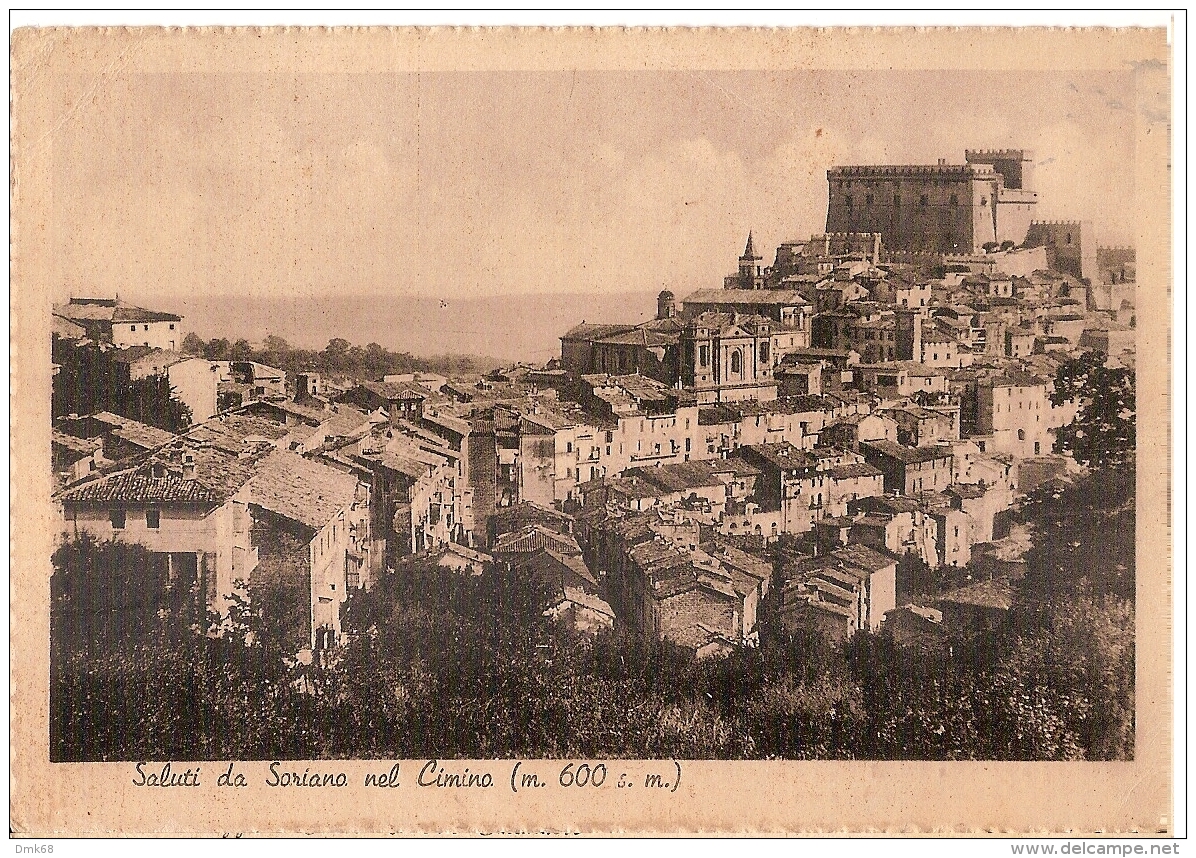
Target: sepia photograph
440, 412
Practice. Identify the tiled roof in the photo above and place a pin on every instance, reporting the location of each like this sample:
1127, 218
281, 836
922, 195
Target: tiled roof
586, 331
130, 487
65, 328
235, 429
393, 391
908, 455
83, 446
111, 311
301, 490
560, 569
641, 336
286, 406
586, 600
863, 557
534, 538
847, 472
984, 594
411, 461
782, 455
728, 321
132, 354
142, 435
677, 476
757, 297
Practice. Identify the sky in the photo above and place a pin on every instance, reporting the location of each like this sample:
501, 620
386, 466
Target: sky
458, 184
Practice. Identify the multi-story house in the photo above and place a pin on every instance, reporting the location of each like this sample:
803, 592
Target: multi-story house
110, 320
910, 470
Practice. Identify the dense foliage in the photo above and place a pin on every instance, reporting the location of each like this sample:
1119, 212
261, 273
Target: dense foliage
90, 379
447, 665
1104, 432
339, 357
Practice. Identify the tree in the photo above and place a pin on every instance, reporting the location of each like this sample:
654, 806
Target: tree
241, 350
1082, 648
152, 400
135, 676
90, 380
192, 344
1104, 432
217, 349
336, 349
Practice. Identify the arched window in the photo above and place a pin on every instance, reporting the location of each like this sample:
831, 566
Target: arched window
736, 362
1021, 434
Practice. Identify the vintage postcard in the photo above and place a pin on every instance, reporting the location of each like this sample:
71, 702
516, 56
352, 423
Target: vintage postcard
582, 431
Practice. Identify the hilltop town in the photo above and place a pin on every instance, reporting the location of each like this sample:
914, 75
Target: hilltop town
839, 438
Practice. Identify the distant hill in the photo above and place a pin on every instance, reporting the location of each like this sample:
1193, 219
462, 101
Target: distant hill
512, 327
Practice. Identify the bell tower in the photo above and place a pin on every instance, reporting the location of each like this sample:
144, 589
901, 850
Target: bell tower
749, 265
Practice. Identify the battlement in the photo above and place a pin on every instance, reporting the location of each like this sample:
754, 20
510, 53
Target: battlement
844, 235
1055, 223
961, 170
999, 154
1115, 248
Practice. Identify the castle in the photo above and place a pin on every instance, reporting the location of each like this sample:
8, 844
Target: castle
944, 208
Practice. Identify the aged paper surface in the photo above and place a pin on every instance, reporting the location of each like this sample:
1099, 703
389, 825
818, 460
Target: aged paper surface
76, 156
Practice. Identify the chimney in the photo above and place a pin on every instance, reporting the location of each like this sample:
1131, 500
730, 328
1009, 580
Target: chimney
188, 466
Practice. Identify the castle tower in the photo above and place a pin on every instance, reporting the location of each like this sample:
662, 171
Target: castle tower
1016, 200
666, 305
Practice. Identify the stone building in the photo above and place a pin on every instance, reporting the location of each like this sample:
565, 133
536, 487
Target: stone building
936, 209
111, 320
1070, 246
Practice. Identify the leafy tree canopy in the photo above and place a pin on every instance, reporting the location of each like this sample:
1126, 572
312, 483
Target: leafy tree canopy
1104, 431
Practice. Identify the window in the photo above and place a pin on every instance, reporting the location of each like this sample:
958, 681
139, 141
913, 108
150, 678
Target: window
984, 201
568, 446
1021, 434
703, 355
132, 327
764, 353
954, 199
153, 519
896, 199
923, 200
146, 328
847, 199
736, 362
1037, 448
172, 326
1068, 239
868, 200
117, 517
687, 445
